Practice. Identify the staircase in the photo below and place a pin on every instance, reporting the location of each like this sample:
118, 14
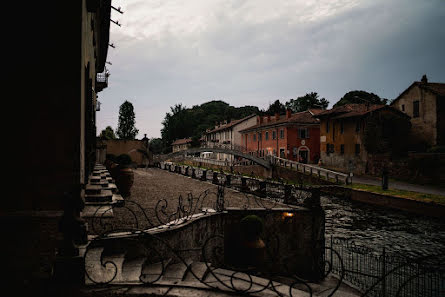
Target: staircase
101, 194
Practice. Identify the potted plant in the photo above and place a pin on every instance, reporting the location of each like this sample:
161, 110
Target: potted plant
253, 247
109, 160
125, 176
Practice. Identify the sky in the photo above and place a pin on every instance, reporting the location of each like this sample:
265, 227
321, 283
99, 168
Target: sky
254, 52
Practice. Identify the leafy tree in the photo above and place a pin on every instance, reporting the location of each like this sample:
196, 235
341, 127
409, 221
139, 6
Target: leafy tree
126, 128
107, 133
360, 97
156, 145
276, 107
387, 132
310, 100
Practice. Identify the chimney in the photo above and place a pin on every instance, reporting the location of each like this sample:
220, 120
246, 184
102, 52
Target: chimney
424, 79
277, 116
288, 113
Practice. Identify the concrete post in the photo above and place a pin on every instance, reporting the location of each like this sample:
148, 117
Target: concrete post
243, 184
204, 175
228, 180
193, 173
186, 171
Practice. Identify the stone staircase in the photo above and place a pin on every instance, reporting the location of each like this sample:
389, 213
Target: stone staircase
101, 194
125, 263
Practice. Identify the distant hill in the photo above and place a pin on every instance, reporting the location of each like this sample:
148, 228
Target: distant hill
183, 122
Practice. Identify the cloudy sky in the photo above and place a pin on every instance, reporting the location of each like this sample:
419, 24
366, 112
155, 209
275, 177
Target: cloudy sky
253, 52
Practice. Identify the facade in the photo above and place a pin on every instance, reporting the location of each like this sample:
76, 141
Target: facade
424, 102
291, 136
136, 149
227, 134
342, 136
181, 144
56, 56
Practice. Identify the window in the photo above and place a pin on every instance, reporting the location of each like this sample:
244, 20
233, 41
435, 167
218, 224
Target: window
403, 107
303, 133
327, 126
416, 106
357, 126
342, 128
342, 149
282, 133
259, 136
329, 148
254, 137
274, 136
357, 149
267, 135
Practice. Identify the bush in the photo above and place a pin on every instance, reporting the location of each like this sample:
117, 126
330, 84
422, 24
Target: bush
251, 226
124, 159
110, 157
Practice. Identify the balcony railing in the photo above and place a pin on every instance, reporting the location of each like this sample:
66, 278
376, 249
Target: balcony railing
102, 80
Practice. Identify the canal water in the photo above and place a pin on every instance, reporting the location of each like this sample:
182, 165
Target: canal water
376, 227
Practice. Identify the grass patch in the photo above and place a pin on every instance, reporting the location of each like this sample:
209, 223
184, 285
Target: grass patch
400, 193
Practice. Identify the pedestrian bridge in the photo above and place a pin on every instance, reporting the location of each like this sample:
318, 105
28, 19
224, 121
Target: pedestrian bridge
229, 149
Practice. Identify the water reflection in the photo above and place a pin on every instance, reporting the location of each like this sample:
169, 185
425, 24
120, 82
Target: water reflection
377, 227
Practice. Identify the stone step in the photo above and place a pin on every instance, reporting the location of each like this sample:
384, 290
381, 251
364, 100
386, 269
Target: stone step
97, 211
92, 189
103, 196
132, 269
177, 271
116, 200
197, 270
153, 272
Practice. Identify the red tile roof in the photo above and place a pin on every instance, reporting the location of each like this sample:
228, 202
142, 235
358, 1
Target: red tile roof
353, 110
304, 117
182, 141
230, 124
436, 88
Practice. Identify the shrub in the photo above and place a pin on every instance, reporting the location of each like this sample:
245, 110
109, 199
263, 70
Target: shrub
251, 226
110, 157
124, 159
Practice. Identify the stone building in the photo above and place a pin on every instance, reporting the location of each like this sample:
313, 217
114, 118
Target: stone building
57, 52
228, 133
181, 144
424, 102
291, 136
342, 135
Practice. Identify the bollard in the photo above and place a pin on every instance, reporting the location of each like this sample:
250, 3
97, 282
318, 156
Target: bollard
204, 175
193, 173
243, 184
287, 193
228, 180
263, 191
215, 178
180, 169
186, 173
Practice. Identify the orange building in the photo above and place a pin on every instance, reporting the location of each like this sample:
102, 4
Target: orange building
290, 136
342, 135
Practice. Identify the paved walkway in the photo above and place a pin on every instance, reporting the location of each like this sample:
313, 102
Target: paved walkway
399, 185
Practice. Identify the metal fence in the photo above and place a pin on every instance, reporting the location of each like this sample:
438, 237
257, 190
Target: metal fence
379, 273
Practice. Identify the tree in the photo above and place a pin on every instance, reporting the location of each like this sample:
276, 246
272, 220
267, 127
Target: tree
308, 101
360, 97
156, 145
276, 107
107, 134
126, 128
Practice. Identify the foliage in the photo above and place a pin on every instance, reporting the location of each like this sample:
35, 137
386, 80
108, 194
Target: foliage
110, 157
183, 122
126, 128
360, 97
124, 159
310, 100
156, 145
276, 107
387, 133
107, 134
251, 226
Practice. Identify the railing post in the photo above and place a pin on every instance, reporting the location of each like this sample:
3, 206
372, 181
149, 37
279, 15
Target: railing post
193, 172
204, 175
186, 171
263, 190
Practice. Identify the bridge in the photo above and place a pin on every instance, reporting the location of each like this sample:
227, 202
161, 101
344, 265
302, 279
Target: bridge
230, 149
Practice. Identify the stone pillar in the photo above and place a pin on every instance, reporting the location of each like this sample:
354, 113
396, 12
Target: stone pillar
215, 178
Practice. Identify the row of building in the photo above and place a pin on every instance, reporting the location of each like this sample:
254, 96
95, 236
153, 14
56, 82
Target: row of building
334, 137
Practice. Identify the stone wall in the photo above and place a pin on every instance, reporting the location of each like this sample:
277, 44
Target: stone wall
130, 147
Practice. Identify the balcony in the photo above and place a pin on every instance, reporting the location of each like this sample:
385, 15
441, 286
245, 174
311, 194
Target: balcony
102, 80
